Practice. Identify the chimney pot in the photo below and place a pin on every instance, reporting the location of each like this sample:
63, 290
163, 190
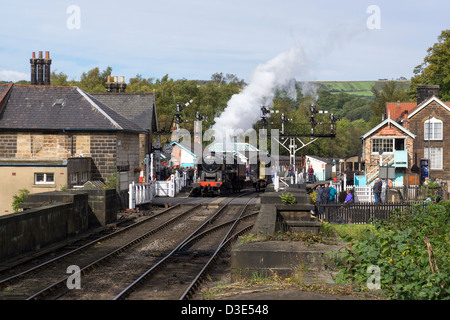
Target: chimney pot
47, 55
40, 54
34, 55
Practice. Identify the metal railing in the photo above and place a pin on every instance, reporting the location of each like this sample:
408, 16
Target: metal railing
357, 213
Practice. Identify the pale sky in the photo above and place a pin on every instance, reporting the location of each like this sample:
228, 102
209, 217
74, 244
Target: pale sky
193, 39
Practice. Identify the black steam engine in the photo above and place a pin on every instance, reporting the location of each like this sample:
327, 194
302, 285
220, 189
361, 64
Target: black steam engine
220, 174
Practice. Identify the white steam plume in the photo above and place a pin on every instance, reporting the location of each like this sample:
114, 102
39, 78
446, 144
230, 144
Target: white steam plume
243, 109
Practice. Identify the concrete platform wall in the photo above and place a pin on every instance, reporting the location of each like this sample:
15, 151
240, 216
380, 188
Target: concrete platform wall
49, 217
35, 228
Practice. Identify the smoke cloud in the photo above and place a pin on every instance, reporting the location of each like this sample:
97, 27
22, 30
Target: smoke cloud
243, 109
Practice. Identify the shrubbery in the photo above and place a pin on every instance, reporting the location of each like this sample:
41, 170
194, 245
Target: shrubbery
411, 250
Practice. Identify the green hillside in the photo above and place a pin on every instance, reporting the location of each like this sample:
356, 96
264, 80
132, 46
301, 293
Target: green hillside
357, 88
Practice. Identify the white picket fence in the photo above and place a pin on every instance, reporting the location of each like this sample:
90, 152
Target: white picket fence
145, 192
281, 183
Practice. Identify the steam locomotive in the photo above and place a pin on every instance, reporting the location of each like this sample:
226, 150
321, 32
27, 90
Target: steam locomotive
220, 174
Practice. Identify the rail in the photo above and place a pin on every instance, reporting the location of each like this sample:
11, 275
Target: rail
53, 287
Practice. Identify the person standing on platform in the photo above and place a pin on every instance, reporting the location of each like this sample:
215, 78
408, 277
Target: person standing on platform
326, 194
349, 197
333, 193
311, 174
377, 190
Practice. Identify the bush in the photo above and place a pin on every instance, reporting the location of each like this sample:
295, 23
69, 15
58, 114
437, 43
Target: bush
287, 198
346, 231
18, 199
411, 251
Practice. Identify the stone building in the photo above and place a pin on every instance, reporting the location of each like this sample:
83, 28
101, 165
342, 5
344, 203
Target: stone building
427, 119
388, 144
53, 137
414, 134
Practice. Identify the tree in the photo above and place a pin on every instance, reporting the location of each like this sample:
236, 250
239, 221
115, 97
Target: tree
94, 81
391, 91
435, 68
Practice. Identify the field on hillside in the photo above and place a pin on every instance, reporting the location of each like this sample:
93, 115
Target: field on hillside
357, 88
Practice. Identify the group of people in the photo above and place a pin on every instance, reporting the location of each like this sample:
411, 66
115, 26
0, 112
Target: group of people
167, 171
379, 189
328, 194
325, 194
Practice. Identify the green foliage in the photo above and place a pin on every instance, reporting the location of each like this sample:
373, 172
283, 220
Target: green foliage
346, 231
113, 178
307, 238
391, 91
287, 198
412, 251
313, 196
18, 199
435, 68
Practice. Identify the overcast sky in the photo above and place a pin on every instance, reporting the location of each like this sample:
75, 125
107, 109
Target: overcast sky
193, 39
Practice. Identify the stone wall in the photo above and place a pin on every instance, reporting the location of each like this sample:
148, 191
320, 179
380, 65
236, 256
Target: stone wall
417, 125
107, 149
8, 145
103, 205
34, 228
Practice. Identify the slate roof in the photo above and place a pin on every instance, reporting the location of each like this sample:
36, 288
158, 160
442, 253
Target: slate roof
36, 108
137, 107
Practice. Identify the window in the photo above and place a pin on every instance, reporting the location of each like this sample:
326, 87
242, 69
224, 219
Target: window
385, 145
435, 158
74, 177
44, 178
59, 103
84, 176
433, 129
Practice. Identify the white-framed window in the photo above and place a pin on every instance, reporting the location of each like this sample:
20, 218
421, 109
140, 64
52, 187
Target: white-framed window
382, 144
433, 129
84, 176
44, 178
74, 177
435, 158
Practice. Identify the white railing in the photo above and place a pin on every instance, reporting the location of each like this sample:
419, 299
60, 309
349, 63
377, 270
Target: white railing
142, 193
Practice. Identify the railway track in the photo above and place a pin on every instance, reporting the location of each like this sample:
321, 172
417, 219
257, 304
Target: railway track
108, 264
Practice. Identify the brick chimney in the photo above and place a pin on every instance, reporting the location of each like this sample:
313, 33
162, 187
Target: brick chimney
424, 92
40, 69
47, 63
115, 85
122, 84
33, 69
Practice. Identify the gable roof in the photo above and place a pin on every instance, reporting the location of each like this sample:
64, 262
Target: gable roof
388, 121
139, 108
59, 108
321, 159
427, 102
396, 110
399, 110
